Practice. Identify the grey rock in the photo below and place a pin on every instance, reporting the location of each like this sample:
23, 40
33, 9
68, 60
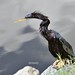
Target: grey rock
66, 70
49, 71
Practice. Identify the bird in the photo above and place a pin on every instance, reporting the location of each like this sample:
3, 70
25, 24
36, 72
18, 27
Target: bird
57, 45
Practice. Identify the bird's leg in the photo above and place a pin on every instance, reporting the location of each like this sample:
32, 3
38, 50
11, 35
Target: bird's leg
59, 62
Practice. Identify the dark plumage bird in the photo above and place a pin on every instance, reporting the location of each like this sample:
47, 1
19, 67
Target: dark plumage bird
56, 43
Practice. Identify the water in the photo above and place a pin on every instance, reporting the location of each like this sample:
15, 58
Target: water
18, 45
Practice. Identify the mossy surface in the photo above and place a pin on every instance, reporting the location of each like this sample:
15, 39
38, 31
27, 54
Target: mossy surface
66, 70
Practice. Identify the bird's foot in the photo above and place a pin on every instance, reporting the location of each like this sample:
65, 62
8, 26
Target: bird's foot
60, 63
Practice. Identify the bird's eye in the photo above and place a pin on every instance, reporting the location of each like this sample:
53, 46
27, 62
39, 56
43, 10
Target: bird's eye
29, 15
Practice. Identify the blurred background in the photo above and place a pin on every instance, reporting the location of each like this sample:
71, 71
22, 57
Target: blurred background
21, 43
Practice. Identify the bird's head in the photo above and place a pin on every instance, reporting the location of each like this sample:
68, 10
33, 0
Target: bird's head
36, 15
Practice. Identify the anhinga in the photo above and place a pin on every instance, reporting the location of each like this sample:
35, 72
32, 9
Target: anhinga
57, 45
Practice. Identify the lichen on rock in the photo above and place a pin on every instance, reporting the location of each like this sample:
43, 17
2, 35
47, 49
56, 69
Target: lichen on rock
66, 70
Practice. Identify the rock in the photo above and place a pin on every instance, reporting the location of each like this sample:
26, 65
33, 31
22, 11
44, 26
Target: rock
49, 71
28, 70
66, 70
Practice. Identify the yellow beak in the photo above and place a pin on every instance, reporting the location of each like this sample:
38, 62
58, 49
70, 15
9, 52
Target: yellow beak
20, 20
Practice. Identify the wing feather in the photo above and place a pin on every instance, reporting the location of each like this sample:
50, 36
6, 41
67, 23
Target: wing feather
67, 47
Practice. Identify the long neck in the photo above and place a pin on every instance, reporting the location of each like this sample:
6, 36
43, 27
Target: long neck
44, 27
